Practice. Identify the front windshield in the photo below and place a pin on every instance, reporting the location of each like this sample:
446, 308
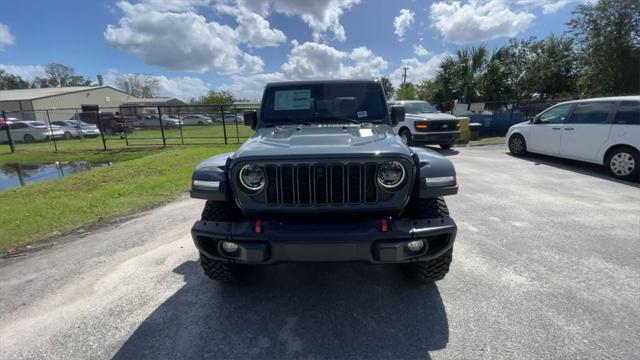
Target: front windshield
419, 108
296, 104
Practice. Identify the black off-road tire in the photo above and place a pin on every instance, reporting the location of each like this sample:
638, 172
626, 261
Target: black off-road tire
517, 145
437, 268
446, 146
213, 269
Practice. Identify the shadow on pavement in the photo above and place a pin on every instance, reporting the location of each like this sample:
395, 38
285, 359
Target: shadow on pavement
295, 311
448, 152
579, 167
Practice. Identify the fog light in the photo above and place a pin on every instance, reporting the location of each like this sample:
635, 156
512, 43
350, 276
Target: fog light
415, 245
229, 247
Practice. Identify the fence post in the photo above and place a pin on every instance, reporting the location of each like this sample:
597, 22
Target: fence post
55, 145
164, 140
235, 120
224, 126
104, 141
180, 126
12, 146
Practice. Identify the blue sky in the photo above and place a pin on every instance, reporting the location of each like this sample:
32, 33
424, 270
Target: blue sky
193, 45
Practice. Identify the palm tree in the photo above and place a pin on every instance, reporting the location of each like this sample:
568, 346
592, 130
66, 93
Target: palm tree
470, 65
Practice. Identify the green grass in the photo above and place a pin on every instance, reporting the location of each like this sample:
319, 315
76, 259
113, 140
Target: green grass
187, 135
37, 211
498, 140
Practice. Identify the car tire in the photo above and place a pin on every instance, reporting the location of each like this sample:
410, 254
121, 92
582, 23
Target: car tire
68, 135
517, 145
213, 269
437, 268
405, 135
446, 146
200, 123
28, 139
624, 163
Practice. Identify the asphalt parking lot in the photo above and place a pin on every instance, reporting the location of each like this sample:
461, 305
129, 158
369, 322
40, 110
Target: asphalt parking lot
546, 265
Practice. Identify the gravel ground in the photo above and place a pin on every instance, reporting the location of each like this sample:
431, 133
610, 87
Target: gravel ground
546, 265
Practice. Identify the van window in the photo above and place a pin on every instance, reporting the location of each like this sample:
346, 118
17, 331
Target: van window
596, 112
555, 115
628, 113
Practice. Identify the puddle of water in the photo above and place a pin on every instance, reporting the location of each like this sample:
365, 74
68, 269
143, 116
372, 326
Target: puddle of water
15, 175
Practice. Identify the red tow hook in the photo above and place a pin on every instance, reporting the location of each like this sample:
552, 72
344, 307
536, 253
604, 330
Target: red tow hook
384, 225
258, 227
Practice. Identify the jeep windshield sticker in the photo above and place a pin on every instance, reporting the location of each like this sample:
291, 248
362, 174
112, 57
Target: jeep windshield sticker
362, 114
292, 100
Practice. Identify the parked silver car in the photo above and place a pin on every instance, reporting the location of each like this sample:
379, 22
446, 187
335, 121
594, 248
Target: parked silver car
30, 131
151, 121
77, 128
196, 120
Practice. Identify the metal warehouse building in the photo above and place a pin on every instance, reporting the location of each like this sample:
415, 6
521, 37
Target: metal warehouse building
56, 103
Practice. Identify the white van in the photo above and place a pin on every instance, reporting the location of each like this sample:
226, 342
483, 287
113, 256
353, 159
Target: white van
604, 131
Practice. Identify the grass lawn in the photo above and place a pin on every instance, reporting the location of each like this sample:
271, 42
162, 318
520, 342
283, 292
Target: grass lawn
150, 177
498, 140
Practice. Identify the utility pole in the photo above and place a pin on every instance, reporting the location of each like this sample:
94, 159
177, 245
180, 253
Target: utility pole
404, 75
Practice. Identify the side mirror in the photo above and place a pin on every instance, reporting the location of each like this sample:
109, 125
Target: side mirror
397, 114
250, 119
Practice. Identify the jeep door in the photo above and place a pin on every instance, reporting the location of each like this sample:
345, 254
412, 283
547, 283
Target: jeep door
546, 132
587, 130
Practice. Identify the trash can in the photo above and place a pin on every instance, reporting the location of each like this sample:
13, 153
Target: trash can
474, 130
464, 130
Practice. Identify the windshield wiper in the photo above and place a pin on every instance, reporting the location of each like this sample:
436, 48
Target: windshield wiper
338, 118
287, 121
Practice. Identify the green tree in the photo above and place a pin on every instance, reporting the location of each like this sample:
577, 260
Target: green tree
406, 91
215, 97
607, 37
10, 81
388, 88
142, 86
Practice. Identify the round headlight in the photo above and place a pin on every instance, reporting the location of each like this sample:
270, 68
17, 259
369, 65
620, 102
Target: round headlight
390, 174
252, 177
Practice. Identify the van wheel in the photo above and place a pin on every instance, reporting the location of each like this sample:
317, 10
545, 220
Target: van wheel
28, 139
517, 145
405, 135
623, 163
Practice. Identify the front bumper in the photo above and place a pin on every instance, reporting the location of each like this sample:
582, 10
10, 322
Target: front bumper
449, 137
360, 242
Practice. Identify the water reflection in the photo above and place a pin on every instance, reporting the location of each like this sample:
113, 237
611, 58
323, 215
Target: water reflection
15, 175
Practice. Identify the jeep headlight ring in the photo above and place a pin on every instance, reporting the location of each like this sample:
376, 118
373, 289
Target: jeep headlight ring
252, 177
391, 174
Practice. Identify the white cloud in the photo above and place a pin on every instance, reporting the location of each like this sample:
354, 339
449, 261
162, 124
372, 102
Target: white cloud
321, 16
419, 50
312, 60
180, 87
463, 22
6, 39
418, 70
402, 22
180, 40
26, 72
548, 6
253, 28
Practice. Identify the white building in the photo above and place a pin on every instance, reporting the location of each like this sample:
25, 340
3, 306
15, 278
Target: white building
59, 103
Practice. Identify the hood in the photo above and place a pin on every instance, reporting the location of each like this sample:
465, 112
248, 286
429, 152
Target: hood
323, 140
431, 116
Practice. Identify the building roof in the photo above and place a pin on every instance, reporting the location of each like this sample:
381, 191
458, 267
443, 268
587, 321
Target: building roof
31, 94
153, 101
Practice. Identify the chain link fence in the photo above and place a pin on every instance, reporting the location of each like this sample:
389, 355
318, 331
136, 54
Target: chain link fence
126, 126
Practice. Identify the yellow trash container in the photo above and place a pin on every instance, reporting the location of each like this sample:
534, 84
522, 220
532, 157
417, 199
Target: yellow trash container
465, 134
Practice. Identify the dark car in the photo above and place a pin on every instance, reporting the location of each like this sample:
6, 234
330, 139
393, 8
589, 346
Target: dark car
108, 122
325, 178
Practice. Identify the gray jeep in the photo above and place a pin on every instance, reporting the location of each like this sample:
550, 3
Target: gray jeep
325, 178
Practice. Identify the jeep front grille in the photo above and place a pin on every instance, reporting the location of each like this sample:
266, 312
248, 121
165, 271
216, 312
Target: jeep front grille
321, 184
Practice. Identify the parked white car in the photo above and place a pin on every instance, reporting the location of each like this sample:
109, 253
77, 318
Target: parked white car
196, 120
29, 131
603, 131
425, 125
152, 121
77, 128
